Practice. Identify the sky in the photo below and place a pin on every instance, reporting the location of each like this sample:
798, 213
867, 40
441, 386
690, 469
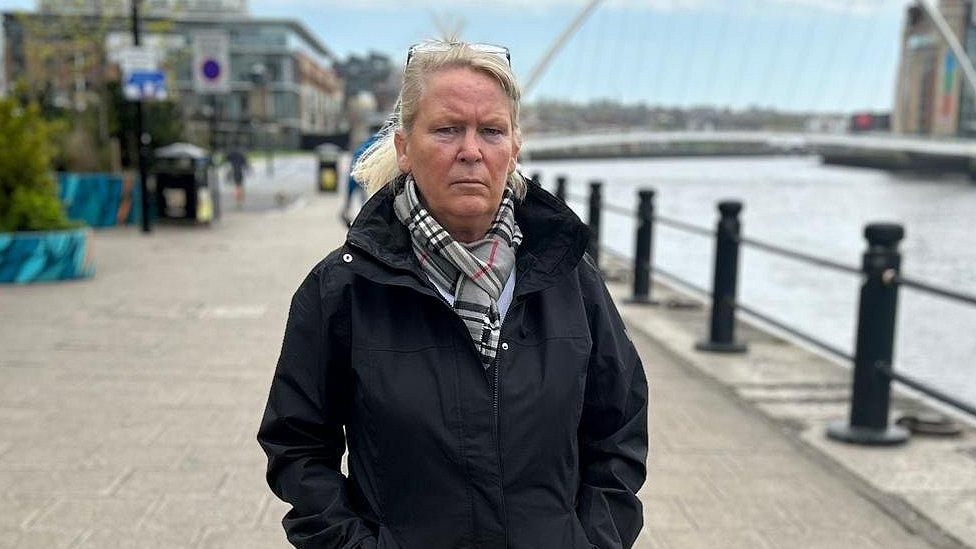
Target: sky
802, 55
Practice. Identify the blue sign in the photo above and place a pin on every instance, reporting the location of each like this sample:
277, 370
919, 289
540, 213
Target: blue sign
145, 85
211, 69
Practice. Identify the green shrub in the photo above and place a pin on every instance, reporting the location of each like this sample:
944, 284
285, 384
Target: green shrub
28, 194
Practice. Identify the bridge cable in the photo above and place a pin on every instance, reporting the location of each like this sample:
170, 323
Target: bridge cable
664, 57
571, 64
593, 63
687, 73
557, 46
854, 74
640, 50
801, 54
887, 51
775, 56
831, 57
719, 51
623, 32
602, 61
748, 45
585, 38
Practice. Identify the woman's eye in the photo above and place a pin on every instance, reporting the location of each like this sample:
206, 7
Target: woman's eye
492, 131
447, 130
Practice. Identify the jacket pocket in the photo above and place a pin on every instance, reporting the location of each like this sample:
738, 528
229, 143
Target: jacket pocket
413, 411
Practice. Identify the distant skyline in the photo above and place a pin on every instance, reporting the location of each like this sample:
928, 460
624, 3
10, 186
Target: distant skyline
798, 55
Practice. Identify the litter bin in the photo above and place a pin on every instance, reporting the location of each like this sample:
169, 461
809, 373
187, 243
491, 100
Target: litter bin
328, 155
183, 188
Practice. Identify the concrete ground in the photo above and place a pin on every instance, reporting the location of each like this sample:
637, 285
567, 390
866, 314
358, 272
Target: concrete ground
129, 405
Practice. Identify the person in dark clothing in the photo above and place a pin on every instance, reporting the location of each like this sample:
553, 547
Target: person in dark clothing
238, 166
461, 344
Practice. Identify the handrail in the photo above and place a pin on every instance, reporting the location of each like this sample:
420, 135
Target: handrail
934, 290
575, 197
926, 389
799, 256
680, 281
778, 324
619, 210
684, 226
796, 255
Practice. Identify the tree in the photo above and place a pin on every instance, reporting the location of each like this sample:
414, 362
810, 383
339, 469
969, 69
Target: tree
68, 72
28, 200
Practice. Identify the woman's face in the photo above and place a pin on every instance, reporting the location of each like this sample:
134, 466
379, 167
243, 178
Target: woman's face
460, 149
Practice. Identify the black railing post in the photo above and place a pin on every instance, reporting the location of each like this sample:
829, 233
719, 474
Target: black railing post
561, 188
871, 393
643, 248
722, 330
596, 205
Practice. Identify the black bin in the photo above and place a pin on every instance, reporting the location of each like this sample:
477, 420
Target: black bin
183, 189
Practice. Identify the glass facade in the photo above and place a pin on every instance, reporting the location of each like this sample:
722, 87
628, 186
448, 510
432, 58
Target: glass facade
275, 46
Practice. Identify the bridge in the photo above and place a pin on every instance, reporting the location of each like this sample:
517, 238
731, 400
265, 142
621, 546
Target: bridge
869, 150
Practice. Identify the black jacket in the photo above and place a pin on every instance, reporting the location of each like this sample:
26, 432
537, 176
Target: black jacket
545, 450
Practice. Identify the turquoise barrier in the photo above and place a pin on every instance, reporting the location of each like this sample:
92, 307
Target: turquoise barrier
27, 257
100, 200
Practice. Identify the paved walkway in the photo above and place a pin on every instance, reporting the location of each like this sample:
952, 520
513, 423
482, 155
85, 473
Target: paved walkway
129, 405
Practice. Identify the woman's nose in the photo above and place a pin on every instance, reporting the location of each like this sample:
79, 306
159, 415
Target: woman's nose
470, 149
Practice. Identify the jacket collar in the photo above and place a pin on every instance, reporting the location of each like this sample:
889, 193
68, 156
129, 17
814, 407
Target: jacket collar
553, 244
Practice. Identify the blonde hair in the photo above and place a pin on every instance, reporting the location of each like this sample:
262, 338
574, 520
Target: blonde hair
377, 167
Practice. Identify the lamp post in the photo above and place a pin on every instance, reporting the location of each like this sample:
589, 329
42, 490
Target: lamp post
142, 137
259, 77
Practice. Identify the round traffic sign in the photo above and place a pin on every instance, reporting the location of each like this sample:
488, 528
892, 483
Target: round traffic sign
211, 69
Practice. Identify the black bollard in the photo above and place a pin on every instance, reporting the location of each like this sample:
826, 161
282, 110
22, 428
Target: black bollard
644, 248
722, 331
536, 178
596, 205
561, 188
871, 393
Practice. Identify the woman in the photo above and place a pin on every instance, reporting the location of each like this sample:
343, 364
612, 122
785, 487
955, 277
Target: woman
489, 393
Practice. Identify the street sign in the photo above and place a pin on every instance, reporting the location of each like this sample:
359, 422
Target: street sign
138, 58
141, 78
211, 62
145, 85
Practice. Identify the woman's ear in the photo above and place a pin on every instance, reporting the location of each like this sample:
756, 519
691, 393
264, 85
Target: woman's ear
403, 160
513, 163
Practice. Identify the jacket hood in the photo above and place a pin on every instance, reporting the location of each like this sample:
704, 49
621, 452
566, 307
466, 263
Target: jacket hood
554, 238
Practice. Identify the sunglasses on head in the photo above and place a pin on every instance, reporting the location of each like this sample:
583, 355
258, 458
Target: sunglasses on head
436, 47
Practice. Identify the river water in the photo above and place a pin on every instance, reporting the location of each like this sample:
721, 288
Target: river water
798, 203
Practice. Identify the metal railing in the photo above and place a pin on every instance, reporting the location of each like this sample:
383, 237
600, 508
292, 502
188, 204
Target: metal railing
880, 281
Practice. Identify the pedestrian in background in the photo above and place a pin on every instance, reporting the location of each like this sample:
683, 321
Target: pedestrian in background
353, 187
238, 166
461, 344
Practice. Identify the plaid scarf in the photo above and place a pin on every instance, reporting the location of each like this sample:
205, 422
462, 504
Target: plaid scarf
476, 272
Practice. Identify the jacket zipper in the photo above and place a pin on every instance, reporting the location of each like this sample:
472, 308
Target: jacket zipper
495, 427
